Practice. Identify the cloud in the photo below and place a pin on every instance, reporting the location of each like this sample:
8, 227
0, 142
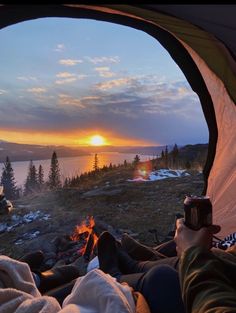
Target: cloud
104, 71
27, 78
65, 81
2, 91
113, 83
70, 62
89, 98
60, 47
143, 107
65, 75
96, 60
68, 78
36, 90
68, 100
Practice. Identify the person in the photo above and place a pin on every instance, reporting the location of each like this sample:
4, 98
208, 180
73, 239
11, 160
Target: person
207, 274
157, 280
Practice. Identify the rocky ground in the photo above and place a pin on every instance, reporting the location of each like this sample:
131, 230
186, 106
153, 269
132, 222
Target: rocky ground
146, 210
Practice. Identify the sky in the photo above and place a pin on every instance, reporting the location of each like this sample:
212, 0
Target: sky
65, 80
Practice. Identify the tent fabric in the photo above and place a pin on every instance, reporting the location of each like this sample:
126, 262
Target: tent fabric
202, 41
222, 179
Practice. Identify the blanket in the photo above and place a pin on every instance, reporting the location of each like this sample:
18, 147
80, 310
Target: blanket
96, 292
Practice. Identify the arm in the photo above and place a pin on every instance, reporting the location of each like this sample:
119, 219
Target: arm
206, 284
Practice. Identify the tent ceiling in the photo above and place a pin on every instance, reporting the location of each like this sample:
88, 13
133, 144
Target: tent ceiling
216, 19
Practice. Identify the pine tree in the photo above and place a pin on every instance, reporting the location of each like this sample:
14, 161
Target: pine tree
95, 162
8, 181
175, 155
66, 182
31, 184
166, 157
136, 160
40, 176
54, 177
188, 165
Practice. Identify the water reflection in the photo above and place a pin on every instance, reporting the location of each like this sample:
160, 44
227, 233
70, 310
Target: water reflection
73, 166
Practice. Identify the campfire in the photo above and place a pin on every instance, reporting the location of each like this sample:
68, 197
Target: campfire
85, 231
81, 242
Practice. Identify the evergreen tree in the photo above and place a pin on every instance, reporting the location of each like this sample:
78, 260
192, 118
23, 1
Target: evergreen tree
54, 177
166, 157
8, 181
175, 155
188, 165
162, 155
67, 182
136, 160
95, 162
31, 184
125, 163
40, 176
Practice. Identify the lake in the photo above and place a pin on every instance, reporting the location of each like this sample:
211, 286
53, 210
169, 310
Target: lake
72, 166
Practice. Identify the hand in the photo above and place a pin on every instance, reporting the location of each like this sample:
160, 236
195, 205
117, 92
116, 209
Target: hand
186, 237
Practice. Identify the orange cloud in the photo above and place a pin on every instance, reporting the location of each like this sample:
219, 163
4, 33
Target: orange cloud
36, 90
113, 83
68, 100
104, 71
70, 62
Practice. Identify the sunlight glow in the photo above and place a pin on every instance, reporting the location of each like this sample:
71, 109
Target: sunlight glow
97, 140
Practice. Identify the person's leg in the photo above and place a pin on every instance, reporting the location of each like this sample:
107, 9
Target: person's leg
58, 276
160, 287
128, 265
138, 251
33, 259
141, 252
167, 248
107, 253
113, 259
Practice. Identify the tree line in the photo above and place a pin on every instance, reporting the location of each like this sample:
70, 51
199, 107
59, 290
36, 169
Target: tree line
35, 180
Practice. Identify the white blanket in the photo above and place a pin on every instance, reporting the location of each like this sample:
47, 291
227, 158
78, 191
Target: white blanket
95, 292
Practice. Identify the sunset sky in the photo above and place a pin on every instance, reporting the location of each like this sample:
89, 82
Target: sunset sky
66, 80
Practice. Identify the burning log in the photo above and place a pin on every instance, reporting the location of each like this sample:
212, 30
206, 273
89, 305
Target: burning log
86, 231
80, 243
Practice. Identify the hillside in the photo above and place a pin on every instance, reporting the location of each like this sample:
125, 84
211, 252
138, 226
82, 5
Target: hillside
144, 209
193, 153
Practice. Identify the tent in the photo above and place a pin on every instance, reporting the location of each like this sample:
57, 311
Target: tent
201, 39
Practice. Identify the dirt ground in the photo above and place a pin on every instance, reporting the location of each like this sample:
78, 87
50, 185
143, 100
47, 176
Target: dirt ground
145, 210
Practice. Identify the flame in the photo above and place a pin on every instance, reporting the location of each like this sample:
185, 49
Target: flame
85, 229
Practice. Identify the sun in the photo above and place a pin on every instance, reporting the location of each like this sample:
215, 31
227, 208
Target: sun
97, 140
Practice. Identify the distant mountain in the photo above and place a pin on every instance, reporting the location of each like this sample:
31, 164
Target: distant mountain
148, 150
197, 152
24, 152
